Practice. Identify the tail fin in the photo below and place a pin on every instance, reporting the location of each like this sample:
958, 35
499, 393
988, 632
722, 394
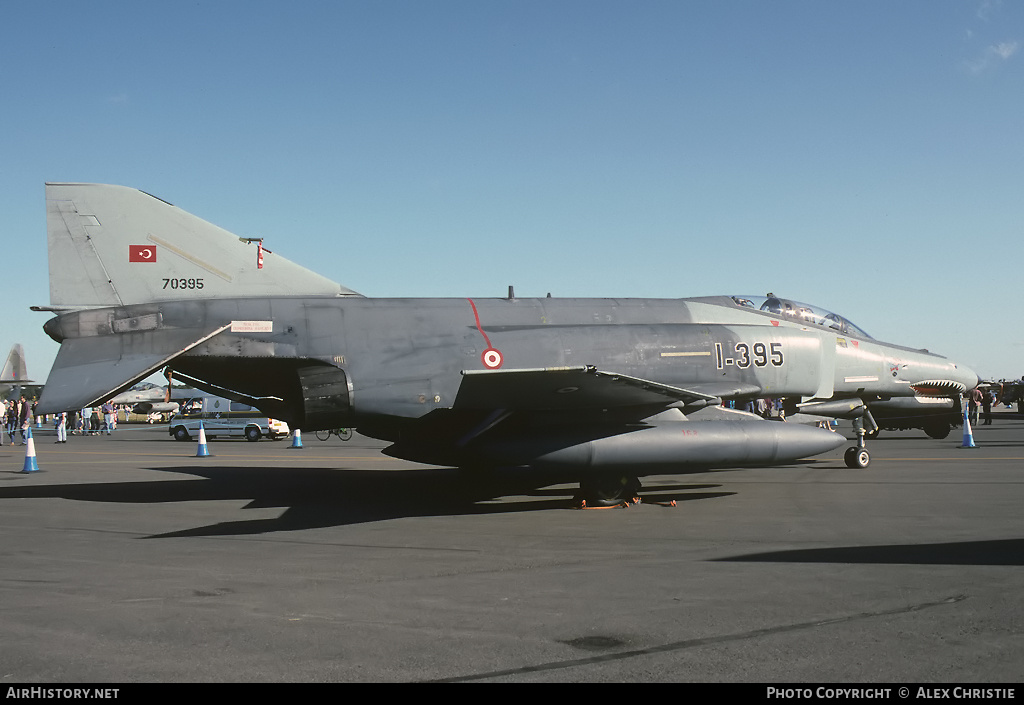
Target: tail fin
14, 371
115, 246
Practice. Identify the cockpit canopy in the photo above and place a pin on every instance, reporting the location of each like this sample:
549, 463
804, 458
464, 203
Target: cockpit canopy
804, 313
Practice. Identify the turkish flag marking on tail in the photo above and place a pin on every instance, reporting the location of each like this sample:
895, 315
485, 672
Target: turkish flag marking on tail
142, 253
259, 255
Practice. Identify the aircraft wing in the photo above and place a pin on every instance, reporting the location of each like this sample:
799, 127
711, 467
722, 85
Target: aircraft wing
93, 369
568, 389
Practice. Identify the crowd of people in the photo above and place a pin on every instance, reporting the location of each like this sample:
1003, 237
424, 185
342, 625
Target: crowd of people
16, 417
766, 407
979, 402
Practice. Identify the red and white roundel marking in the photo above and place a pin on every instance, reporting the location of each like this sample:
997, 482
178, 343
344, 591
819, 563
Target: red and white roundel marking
492, 358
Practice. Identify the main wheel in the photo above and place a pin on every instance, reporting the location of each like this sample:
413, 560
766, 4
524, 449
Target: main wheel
857, 457
609, 490
937, 429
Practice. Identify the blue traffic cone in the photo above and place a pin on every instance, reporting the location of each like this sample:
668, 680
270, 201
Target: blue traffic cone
296, 439
30, 453
202, 451
968, 436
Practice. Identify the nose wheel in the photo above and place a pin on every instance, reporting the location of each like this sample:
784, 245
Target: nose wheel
857, 456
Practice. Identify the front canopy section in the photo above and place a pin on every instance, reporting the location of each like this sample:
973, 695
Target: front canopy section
805, 313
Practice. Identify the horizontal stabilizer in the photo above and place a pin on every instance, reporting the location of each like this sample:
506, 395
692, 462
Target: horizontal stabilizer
566, 389
15, 371
94, 369
115, 246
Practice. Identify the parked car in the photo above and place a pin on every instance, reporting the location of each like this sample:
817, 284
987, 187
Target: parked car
223, 417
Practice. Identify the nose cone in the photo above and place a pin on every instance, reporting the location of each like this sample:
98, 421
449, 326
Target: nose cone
946, 379
963, 373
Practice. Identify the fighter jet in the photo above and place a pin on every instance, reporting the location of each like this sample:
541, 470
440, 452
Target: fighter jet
609, 389
156, 400
14, 372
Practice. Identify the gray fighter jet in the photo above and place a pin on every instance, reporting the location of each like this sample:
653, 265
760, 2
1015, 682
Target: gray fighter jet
608, 389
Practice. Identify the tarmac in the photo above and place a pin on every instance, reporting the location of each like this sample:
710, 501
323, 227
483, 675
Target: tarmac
126, 559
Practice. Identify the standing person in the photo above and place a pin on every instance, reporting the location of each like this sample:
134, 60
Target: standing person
12, 418
974, 405
61, 422
24, 418
108, 416
986, 406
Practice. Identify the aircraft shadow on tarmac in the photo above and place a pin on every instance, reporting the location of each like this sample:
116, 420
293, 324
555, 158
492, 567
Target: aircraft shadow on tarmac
324, 497
1006, 552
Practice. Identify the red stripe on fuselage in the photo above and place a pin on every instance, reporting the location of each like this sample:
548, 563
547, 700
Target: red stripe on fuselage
478, 326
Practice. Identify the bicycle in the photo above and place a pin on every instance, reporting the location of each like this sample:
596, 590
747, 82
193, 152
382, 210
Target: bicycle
344, 434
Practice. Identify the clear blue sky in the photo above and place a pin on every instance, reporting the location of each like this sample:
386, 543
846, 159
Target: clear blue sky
864, 156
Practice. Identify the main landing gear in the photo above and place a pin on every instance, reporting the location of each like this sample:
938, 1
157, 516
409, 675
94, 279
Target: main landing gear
608, 490
857, 456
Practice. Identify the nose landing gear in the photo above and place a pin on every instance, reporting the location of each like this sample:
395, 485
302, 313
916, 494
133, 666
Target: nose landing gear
857, 456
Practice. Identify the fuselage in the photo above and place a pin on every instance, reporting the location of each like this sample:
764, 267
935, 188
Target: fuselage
405, 357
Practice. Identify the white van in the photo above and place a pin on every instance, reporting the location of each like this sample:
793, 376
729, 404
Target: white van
223, 417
